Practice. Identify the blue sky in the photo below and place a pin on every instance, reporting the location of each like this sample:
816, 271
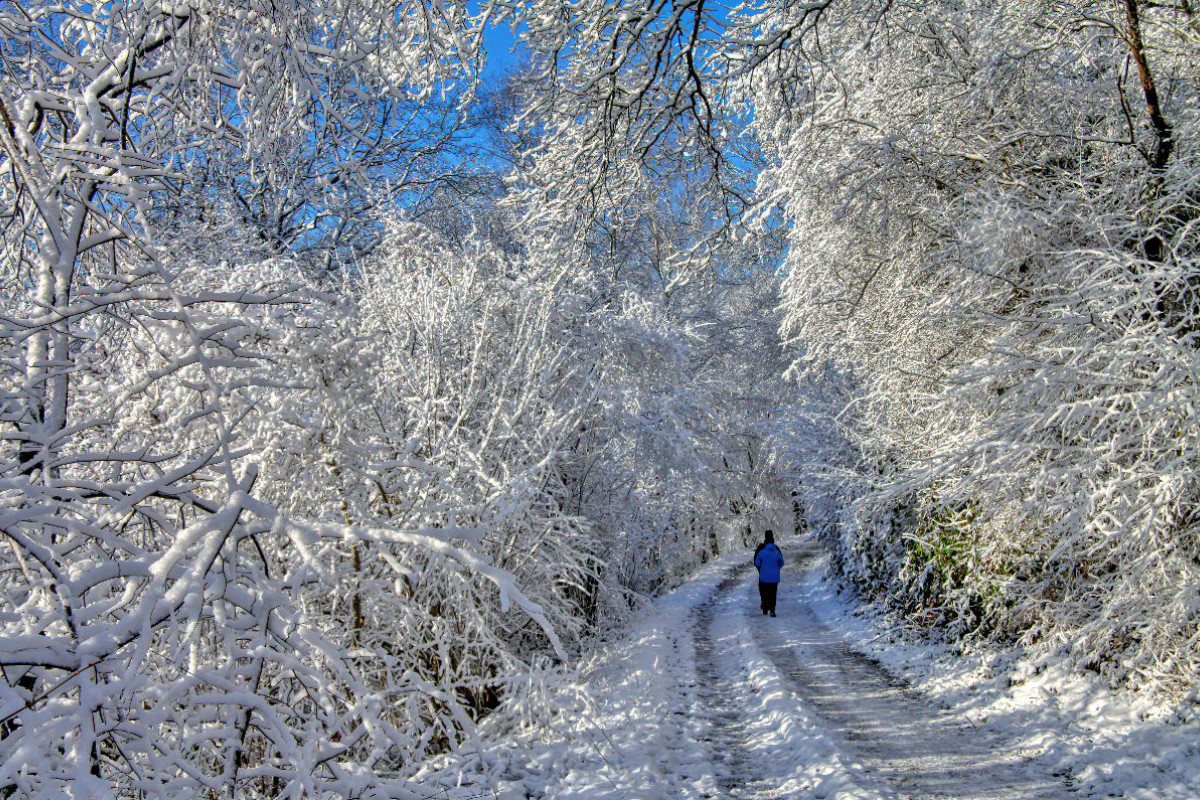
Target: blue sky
498, 40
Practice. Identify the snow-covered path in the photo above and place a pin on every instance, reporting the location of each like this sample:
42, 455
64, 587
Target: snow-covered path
892, 742
705, 698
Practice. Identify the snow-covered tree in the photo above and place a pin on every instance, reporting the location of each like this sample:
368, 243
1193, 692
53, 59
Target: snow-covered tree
990, 209
160, 632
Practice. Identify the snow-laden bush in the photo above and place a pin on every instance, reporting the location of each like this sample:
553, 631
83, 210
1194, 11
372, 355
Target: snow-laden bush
441, 397
673, 463
160, 636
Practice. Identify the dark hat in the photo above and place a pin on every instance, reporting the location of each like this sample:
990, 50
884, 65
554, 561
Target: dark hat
769, 536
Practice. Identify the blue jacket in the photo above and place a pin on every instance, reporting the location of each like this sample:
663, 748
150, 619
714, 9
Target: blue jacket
768, 561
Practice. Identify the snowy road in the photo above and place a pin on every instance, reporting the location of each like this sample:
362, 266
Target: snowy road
893, 743
705, 699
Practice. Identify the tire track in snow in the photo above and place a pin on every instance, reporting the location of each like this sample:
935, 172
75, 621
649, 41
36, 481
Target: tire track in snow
890, 741
733, 764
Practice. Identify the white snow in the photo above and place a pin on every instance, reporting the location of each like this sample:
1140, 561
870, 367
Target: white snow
704, 698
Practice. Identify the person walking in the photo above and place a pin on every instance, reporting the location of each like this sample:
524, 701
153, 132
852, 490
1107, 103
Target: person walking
769, 561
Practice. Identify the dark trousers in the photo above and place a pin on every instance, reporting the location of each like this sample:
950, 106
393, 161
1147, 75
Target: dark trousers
767, 591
